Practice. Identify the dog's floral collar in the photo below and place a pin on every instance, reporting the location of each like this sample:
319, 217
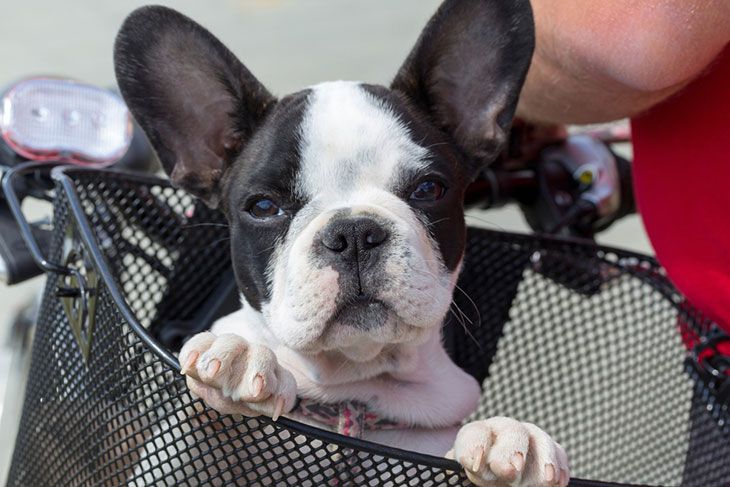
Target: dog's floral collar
351, 418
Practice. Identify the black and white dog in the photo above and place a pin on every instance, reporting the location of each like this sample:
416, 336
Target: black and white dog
347, 231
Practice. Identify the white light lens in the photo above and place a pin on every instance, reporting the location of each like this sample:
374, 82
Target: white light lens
47, 118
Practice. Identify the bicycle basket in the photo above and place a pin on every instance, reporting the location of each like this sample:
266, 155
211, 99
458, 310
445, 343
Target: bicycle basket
584, 341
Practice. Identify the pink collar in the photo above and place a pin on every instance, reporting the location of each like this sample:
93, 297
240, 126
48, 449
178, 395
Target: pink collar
351, 418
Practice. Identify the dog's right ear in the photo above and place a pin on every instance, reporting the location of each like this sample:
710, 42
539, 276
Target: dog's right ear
197, 103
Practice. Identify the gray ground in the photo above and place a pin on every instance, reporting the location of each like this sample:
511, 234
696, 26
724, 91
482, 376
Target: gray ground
288, 44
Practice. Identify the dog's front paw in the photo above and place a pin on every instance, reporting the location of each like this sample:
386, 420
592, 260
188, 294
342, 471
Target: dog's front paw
505, 452
233, 376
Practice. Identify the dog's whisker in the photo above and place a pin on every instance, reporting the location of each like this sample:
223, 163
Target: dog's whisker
436, 145
436, 279
216, 242
430, 224
462, 313
456, 288
459, 317
205, 224
466, 329
476, 308
478, 218
422, 271
267, 249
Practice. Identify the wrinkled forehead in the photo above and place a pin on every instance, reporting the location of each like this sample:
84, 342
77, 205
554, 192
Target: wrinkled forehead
351, 139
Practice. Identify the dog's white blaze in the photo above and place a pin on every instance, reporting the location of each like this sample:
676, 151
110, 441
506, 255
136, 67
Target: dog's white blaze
351, 140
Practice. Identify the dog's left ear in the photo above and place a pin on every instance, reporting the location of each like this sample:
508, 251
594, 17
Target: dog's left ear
197, 103
467, 69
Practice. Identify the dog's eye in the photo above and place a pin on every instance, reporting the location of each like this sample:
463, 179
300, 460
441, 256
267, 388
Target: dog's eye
265, 208
428, 191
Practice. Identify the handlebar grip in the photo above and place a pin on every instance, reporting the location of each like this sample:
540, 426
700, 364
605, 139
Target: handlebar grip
18, 264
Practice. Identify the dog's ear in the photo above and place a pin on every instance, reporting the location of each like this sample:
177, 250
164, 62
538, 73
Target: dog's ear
197, 103
467, 69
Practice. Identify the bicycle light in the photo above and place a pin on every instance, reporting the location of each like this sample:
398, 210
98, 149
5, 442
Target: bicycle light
64, 120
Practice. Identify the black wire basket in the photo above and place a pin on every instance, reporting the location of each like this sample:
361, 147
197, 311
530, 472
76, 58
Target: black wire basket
592, 344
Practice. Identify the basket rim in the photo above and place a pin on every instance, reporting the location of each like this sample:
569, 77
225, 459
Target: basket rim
63, 176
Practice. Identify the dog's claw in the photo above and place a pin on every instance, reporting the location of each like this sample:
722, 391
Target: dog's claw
479, 456
278, 408
564, 478
518, 461
213, 367
258, 385
549, 473
189, 363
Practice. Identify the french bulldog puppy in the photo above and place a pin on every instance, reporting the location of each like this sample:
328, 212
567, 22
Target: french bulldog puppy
344, 202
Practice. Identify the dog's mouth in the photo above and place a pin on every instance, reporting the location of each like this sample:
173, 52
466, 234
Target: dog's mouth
361, 327
362, 312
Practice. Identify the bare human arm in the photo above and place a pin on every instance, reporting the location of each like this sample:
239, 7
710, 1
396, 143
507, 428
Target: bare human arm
598, 60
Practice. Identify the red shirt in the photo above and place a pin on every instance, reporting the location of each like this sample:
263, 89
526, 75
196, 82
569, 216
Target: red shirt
682, 184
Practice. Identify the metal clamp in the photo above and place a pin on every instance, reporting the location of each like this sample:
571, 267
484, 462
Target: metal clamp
78, 291
9, 184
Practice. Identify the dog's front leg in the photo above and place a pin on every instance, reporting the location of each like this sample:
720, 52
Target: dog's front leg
234, 376
502, 451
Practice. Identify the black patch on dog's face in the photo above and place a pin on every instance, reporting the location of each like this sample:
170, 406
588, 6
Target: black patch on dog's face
443, 218
266, 168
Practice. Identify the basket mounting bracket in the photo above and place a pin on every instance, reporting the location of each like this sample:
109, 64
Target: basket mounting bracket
78, 291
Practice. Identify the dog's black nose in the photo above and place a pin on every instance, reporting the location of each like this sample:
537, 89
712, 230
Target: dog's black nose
353, 235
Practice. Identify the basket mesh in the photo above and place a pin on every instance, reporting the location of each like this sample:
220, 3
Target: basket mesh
578, 339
